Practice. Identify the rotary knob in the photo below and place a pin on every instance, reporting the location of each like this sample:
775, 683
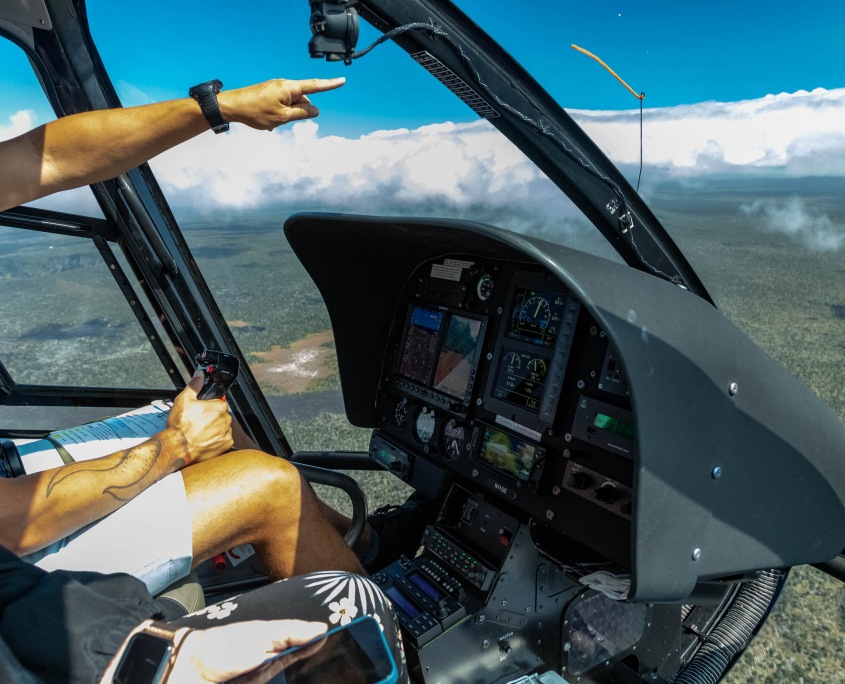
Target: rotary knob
607, 493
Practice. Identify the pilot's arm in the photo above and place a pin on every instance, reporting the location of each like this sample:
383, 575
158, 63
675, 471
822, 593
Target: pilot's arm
219, 654
38, 509
93, 146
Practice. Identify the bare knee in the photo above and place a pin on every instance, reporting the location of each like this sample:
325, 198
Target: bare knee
272, 478
245, 497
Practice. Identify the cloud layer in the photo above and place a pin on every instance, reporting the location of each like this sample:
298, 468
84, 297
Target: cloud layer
794, 134
467, 165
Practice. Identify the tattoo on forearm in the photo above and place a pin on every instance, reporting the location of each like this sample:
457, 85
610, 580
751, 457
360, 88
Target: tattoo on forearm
146, 453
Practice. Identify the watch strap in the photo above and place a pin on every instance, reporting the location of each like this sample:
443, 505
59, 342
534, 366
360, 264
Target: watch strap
206, 95
158, 629
165, 631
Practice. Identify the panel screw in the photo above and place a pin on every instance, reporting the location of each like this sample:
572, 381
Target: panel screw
733, 389
696, 554
716, 473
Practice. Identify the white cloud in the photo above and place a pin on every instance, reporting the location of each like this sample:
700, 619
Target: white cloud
783, 133
794, 218
466, 165
463, 164
19, 123
455, 163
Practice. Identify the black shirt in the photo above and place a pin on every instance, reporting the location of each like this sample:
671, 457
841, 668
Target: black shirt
64, 626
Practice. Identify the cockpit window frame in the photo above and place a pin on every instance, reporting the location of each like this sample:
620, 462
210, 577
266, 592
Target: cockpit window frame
139, 219
104, 238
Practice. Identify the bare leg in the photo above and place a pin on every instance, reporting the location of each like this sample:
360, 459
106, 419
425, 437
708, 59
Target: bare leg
341, 524
250, 497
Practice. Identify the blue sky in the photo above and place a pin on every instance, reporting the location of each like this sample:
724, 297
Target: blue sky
678, 52
734, 89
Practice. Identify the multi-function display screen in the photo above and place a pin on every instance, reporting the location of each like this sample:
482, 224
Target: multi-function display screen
420, 350
511, 455
536, 316
457, 356
521, 379
441, 350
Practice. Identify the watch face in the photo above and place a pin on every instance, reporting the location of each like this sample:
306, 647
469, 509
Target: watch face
144, 661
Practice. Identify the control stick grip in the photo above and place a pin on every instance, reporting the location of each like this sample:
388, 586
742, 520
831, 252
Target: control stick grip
220, 371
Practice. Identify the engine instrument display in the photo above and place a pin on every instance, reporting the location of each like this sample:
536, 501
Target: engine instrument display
536, 316
521, 379
508, 454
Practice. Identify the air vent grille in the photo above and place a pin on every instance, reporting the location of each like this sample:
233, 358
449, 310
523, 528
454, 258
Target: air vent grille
456, 84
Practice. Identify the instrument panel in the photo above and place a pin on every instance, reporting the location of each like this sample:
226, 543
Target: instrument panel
496, 372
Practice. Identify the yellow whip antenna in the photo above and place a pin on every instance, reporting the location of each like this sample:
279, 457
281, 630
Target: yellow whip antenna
640, 97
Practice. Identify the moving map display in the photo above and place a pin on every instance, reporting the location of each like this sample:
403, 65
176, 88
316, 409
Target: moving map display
511, 455
440, 351
458, 355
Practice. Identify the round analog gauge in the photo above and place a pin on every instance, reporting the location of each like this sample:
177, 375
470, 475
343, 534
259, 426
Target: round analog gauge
513, 360
537, 367
424, 425
484, 287
454, 439
535, 313
400, 413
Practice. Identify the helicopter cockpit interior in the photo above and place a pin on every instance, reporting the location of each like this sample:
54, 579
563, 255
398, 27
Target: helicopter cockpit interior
623, 478
548, 397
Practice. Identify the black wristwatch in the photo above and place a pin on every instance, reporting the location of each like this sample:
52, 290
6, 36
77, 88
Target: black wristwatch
206, 95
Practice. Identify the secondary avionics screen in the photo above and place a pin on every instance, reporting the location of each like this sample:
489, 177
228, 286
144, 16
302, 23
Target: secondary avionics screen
457, 355
509, 454
536, 316
521, 379
420, 349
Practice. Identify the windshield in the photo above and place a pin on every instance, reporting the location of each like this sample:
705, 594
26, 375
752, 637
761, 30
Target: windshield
64, 320
742, 162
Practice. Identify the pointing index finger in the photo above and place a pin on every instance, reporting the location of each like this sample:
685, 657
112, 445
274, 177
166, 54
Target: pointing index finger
318, 85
